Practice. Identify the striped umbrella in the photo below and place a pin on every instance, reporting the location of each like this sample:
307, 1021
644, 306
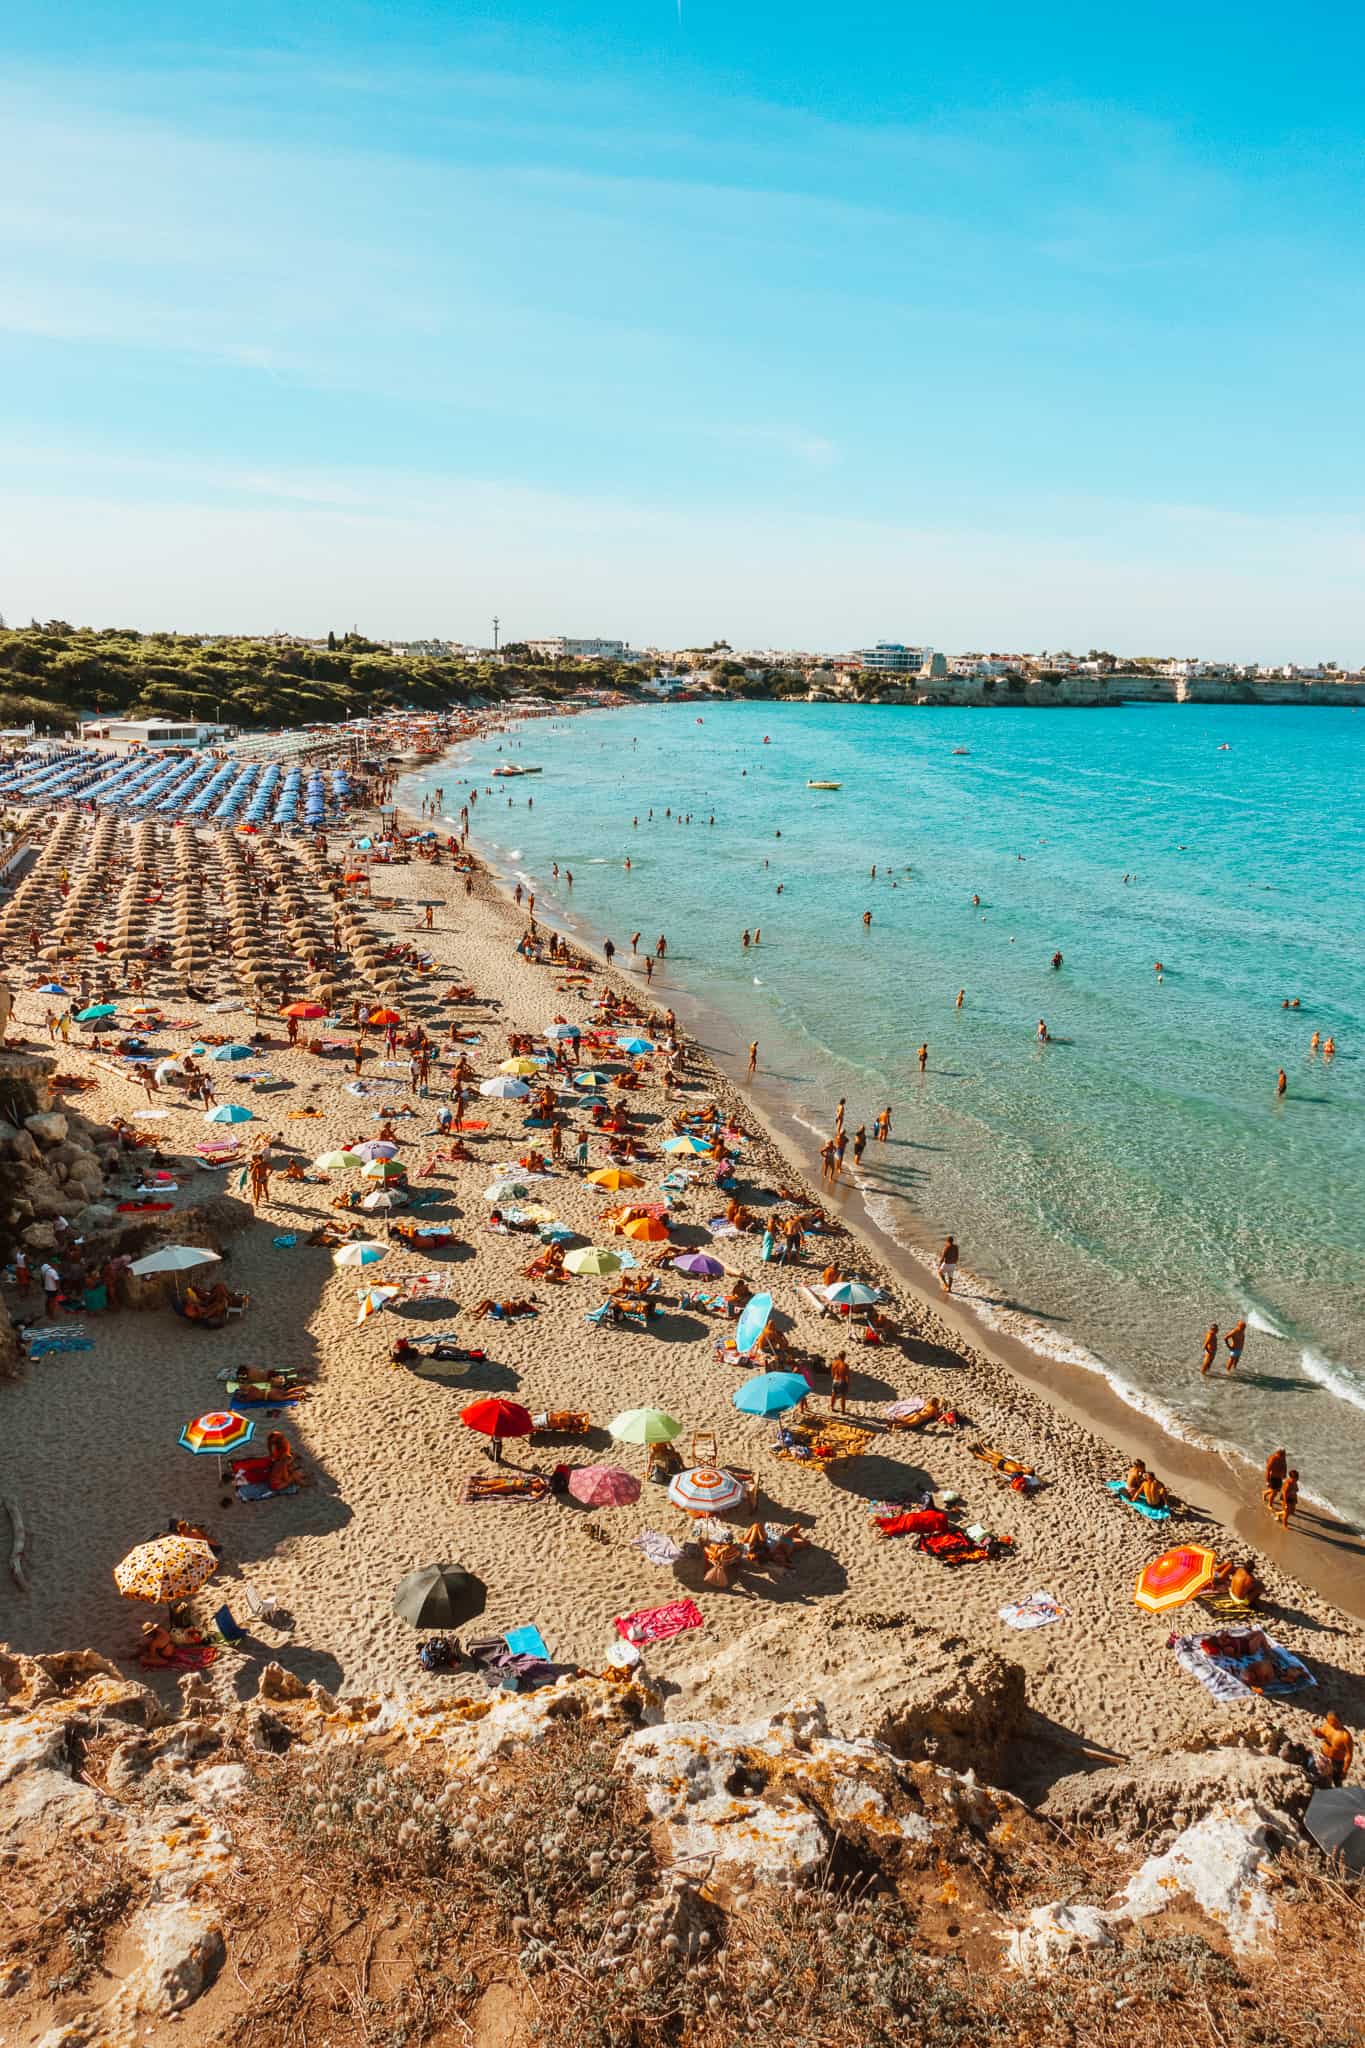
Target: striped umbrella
221, 1430
168, 1568
705, 1490
372, 1299
852, 1294
382, 1169
360, 1254
1174, 1577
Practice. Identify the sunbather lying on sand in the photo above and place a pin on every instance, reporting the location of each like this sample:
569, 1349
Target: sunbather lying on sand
501, 1310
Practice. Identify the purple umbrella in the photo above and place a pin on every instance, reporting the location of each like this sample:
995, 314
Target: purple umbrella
700, 1263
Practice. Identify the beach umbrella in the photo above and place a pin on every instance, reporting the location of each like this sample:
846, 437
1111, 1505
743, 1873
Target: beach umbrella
648, 1228
233, 1052
50, 988
174, 1258
221, 1430
688, 1144
643, 1426
705, 1490
385, 1017
339, 1162
603, 1486
523, 1065
1335, 1819
1174, 1577
380, 1200
372, 1299
506, 1086
493, 1416
169, 1070
636, 1045
752, 1323
304, 1010
770, 1393
591, 1077
506, 1191
363, 1254
94, 1011
228, 1113
375, 1148
439, 1596
166, 1569
852, 1294
563, 1031
592, 1260
699, 1263
615, 1177
382, 1169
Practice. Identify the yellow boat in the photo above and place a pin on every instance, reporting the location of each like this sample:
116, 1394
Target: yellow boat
824, 785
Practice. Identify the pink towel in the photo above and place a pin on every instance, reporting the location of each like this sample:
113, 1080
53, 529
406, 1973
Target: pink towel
657, 1624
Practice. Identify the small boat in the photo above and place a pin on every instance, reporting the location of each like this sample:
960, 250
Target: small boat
962, 750
824, 785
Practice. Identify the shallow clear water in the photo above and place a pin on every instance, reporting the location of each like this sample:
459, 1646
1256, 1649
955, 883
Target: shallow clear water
1116, 1190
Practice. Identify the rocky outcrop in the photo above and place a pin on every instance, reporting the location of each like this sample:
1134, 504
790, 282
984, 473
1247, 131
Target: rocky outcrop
1148, 1801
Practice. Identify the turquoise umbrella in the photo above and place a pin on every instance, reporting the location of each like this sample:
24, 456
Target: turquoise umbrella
95, 1010
233, 1052
229, 1113
753, 1323
770, 1393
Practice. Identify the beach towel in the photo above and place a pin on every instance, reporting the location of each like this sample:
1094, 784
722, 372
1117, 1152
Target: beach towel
658, 1548
143, 1208
1151, 1514
953, 1546
1222, 1671
658, 1624
527, 1642
287, 1241
1036, 1612
913, 1522
43, 1343
1222, 1603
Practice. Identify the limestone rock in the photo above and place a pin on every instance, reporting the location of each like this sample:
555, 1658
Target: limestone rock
1141, 1801
48, 1126
183, 1950
275, 1683
1052, 1934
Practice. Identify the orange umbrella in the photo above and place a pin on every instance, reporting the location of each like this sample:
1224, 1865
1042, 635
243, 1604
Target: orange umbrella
647, 1227
615, 1177
304, 1010
1174, 1577
385, 1017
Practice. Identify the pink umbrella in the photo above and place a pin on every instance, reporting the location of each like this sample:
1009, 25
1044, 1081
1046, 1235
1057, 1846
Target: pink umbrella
603, 1486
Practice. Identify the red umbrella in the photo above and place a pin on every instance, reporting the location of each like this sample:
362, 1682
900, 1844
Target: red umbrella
495, 1417
304, 1010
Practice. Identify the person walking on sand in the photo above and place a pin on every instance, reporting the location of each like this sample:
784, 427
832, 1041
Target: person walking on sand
1235, 1339
357, 1054
947, 1265
753, 1056
1210, 1347
608, 951
1276, 1467
1289, 1497
839, 1377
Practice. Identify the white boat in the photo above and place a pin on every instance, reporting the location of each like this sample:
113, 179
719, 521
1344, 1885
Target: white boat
824, 785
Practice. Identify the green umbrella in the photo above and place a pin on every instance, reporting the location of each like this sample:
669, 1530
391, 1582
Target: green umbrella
439, 1596
592, 1260
644, 1426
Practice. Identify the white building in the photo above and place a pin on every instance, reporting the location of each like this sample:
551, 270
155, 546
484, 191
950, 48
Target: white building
890, 657
153, 732
558, 648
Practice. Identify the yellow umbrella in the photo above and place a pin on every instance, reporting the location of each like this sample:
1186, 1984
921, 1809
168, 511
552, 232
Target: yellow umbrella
615, 1177
521, 1066
168, 1568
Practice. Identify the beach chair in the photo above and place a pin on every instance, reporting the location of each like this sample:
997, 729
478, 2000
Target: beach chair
223, 1629
261, 1606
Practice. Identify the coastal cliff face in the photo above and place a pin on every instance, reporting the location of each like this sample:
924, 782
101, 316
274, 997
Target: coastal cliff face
569, 1865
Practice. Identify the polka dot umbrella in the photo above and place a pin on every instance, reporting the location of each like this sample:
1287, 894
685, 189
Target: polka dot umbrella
166, 1569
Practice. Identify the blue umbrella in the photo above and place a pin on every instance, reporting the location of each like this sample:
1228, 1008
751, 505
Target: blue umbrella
752, 1323
233, 1052
95, 1010
51, 988
770, 1393
634, 1045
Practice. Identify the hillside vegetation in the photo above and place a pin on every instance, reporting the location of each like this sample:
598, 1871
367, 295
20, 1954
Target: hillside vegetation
54, 673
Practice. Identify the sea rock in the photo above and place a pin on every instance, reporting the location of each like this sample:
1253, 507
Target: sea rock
48, 1126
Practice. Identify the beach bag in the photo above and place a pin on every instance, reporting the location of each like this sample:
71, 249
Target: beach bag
441, 1653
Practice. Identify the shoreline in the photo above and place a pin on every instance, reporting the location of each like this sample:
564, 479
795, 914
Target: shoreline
1223, 1483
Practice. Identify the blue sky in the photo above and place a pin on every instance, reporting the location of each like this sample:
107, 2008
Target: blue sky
801, 326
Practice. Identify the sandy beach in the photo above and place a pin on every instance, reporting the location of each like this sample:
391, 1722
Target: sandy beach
91, 1436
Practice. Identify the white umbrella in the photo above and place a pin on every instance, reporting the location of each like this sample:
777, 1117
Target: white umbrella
169, 1070
380, 1200
505, 1085
360, 1254
174, 1258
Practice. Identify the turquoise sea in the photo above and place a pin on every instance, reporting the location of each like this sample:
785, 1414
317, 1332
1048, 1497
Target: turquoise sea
1119, 1188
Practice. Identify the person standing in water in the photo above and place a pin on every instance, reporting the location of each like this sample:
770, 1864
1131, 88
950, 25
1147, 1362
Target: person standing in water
923, 1057
859, 1144
1276, 1469
947, 1265
1210, 1347
882, 1125
1235, 1340
1282, 1082
753, 1056
1289, 1497
960, 994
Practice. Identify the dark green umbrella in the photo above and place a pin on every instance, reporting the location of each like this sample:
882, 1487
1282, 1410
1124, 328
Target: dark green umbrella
1336, 1821
439, 1596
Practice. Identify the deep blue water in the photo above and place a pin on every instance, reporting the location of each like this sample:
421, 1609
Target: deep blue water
1115, 1190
